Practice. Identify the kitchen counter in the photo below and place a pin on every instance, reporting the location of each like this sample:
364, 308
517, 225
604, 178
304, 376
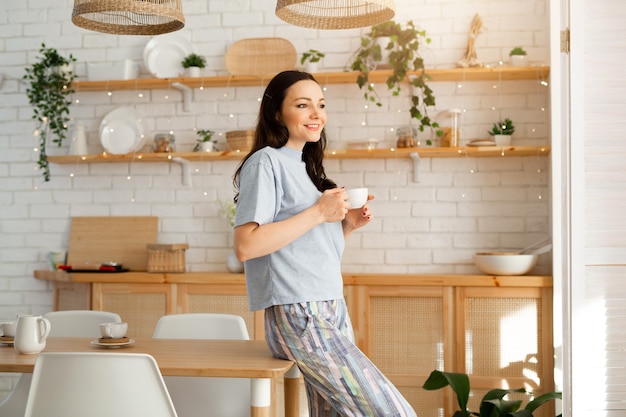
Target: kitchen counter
348, 278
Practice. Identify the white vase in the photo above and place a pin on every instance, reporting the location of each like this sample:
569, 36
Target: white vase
519, 60
207, 146
78, 145
502, 140
233, 264
193, 72
310, 67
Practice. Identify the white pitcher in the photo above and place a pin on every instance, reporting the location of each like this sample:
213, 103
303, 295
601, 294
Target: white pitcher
31, 333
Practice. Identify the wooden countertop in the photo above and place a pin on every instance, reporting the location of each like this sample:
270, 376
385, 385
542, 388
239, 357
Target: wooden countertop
220, 278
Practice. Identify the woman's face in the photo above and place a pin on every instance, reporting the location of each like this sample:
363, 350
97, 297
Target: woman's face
303, 113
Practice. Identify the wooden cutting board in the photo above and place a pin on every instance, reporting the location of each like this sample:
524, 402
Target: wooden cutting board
94, 240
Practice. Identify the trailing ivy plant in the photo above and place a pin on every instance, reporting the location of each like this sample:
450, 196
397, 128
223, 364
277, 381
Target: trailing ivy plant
406, 64
48, 93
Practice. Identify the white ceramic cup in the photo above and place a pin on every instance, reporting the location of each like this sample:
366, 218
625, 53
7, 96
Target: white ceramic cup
55, 259
357, 197
8, 328
113, 330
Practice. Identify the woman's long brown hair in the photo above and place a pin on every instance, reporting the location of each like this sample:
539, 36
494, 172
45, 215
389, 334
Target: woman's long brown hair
270, 132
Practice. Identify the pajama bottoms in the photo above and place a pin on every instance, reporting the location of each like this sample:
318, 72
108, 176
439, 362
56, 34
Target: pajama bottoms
339, 379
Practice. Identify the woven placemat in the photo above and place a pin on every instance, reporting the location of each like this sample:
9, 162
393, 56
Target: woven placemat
260, 57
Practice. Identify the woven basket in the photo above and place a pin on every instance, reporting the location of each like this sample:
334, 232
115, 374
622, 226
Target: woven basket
128, 17
260, 57
240, 140
167, 258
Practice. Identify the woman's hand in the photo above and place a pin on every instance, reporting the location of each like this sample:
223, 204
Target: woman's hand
357, 218
333, 205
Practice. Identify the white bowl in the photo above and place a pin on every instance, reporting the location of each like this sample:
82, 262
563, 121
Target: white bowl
504, 263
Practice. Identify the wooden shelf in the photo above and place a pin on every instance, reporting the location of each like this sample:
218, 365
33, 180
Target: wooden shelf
346, 77
482, 151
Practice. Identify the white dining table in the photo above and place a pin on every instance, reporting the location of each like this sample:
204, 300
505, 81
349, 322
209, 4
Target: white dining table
182, 357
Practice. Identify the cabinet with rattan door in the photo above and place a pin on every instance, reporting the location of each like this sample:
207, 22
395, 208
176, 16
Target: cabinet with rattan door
495, 329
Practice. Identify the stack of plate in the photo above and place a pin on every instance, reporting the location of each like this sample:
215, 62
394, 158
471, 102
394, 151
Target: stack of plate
163, 55
122, 131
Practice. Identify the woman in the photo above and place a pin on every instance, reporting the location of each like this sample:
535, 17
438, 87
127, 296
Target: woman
290, 227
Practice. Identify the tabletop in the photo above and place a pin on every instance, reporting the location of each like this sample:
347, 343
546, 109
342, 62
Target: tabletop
175, 357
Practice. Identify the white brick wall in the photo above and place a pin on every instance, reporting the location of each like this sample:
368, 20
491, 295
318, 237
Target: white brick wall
459, 205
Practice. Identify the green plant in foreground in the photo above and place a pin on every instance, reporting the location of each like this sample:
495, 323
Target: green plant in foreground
48, 94
493, 404
193, 60
502, 127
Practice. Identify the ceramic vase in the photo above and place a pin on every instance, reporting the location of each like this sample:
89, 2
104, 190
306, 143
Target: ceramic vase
502, 140
207, 146
78, 145
233, 264
193, 72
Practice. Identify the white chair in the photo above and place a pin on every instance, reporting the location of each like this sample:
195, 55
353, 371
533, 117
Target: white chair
72, 323
79, 384
201, 396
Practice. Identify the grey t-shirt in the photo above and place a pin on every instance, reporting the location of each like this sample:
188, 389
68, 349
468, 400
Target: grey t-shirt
274, 186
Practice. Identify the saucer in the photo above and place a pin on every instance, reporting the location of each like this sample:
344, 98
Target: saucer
7, 340
111, 343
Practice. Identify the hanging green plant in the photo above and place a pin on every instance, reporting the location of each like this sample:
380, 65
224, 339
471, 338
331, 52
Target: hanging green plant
50, 87
405, 62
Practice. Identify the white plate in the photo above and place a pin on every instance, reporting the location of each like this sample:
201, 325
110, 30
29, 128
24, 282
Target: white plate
162, 55
482, 143
122, 131
112, 345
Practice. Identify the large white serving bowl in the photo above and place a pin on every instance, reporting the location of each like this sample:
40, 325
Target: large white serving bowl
504, 263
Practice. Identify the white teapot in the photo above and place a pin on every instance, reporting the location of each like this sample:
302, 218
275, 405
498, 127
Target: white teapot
31, 333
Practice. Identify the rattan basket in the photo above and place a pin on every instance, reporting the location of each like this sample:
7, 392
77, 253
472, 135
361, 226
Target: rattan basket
167, 258
260, 57
240, 140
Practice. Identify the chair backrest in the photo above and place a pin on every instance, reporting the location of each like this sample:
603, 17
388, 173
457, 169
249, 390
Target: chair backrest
79, 323
201, 326
72, 323
79, 384
199, 396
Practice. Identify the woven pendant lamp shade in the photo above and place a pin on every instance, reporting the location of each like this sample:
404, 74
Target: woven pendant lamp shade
129, 17
335, 14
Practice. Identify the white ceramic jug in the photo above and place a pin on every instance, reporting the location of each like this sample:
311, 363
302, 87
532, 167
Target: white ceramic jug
31, 333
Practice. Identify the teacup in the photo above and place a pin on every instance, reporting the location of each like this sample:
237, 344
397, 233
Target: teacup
357, 197
113, 330
8, 328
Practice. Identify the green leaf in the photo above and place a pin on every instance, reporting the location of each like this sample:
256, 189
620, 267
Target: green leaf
458, 382
542, 399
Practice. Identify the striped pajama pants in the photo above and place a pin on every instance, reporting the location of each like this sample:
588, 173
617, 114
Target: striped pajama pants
339, 379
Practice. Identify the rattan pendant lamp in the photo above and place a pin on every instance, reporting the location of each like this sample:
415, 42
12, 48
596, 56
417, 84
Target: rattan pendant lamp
335, 14
129, 17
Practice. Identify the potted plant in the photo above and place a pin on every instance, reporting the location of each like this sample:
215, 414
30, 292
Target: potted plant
50, 85
518, 57
502, 131
406, 65
493, 404
205, 141
193, 63
310, 59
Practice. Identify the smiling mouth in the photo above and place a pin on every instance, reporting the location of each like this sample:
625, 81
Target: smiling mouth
313, 126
